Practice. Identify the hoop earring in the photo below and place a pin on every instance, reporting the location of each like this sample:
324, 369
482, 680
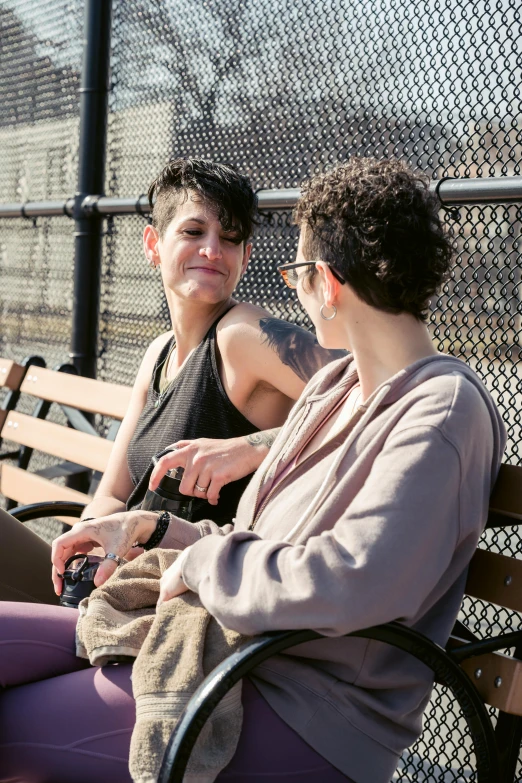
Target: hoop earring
151, 263
328, 317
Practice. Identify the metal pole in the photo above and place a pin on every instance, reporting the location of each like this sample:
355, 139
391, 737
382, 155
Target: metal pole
91, 179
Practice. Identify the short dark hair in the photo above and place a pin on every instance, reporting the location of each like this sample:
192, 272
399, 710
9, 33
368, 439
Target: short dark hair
218, 184
376, 222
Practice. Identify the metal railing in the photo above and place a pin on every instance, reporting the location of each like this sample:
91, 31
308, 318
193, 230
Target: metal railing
450, 191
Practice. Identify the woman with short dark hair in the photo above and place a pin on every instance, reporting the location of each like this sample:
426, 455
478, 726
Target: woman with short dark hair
214, 387
377, 223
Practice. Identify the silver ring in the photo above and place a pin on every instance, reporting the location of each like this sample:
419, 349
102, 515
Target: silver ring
201, 489
117, 559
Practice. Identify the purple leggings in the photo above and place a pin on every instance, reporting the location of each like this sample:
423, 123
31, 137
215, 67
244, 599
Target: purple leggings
63, 720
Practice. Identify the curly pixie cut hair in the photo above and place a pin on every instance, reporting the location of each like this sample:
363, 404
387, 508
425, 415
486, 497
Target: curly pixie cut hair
376, 222
219, 185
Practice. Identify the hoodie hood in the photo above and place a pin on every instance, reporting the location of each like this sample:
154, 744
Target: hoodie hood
340, 375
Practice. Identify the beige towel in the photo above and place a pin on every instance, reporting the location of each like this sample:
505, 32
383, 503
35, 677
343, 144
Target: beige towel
175, 649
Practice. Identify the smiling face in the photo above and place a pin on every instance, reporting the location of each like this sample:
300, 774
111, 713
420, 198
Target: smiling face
199, 259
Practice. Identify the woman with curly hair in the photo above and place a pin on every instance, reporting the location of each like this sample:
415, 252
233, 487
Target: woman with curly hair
367, 508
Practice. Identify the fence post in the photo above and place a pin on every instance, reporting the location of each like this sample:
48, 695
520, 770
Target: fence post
91, 180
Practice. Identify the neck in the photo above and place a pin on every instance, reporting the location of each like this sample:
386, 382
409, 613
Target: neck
191, 320
385, 344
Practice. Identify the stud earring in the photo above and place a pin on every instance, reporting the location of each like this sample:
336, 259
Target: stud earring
328, 317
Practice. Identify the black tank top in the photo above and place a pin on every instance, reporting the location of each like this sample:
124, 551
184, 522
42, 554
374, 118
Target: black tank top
195, 405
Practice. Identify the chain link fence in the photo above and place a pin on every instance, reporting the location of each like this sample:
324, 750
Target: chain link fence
281, 89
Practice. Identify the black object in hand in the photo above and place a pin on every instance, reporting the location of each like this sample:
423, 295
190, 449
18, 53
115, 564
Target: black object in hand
78, 581
167, 495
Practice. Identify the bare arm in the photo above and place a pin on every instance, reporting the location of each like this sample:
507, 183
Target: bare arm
259, 350
263, 440
296, 347
116, 484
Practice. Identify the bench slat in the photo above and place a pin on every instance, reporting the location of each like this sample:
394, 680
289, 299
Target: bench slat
57, 440
496, 579
86, 394
11, 373
506, 695
25, 487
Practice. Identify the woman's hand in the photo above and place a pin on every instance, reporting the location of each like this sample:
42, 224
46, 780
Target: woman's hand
115, 533
209, 463
171, 582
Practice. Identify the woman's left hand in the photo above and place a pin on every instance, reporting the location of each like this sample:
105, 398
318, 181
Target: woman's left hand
171, 583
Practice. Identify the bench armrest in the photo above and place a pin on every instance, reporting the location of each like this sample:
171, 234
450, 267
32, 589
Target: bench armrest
48, 508
258, 649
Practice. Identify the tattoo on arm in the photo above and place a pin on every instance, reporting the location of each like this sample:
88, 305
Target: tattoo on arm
296, 347
265, 438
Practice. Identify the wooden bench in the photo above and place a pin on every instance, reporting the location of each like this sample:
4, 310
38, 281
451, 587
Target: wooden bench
11, 377
78, 445
473, 669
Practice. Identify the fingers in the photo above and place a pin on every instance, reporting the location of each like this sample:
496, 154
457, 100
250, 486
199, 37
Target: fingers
210, 478
196, 473
214, 489
209, 463
195, 483
105, 570
57, 581
114, 533
134, 552
202, 477
175, 459
81, 539
79, 549
171, 584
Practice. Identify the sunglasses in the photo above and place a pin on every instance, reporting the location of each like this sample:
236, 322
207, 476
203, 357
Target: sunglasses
291, 277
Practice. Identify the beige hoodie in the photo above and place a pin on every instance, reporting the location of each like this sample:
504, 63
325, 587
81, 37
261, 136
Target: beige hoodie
378, 524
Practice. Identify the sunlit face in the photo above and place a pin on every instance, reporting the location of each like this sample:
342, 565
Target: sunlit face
309, 293
199, 260
312, 295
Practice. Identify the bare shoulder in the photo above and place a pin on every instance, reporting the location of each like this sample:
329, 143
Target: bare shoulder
248, 327
157, 345
151, 355
240, 327
243, 314
252, 324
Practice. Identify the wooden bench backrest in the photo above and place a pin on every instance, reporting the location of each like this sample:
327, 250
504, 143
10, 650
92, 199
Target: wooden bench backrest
497, 579
109, 399
11, 373
84, 394
11, 376
57, 440
25, 487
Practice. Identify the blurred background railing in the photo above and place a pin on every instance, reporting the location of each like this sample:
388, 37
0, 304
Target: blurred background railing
281, 89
